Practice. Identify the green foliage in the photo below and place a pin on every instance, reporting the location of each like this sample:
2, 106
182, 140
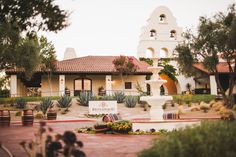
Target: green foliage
45, 104
64, 101
39, 115
131, 101
185, 60
20, 103
168, 70
84, 98
4, 93
210, 139
33, 15
215, 37
147, 60
18, 113
122, 126
47, 54
27, 55
104, 97
27, 99
193, 98
119, 96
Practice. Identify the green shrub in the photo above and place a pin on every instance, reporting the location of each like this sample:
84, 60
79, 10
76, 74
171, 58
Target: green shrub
20, 103
105, 97
45, 104
193, 98
18, 113
210, 139
131, 101
64, 101
27, 99
39, 115
84, 98
119, 96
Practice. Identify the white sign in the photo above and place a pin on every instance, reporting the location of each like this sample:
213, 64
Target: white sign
102, 107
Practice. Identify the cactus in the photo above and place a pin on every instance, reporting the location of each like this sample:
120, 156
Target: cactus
84, 98
45, 104
20, 103
64, 101
131, 101
119, 96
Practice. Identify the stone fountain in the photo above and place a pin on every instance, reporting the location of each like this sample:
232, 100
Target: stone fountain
156, 102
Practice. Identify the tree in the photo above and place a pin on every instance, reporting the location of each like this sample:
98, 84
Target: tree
48, 58
19, 17
124, 65
33, 15
216, 37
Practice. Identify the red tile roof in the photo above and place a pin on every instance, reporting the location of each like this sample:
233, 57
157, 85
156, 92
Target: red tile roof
222, 67
92, 64
95, 64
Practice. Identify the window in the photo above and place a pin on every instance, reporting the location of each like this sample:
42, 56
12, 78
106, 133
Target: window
173, 34
162, 18
128, 85
153, 34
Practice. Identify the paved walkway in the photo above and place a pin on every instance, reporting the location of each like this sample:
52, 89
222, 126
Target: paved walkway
95, 145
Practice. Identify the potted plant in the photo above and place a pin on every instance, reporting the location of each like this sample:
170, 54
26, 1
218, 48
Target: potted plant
67, 91
101, 91
121, 127
45, 104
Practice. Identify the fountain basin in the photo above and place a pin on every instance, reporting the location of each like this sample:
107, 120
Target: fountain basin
156, 102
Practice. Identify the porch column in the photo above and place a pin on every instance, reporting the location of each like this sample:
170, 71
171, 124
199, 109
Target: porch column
108, 85
213, 85
13, 86
61, 85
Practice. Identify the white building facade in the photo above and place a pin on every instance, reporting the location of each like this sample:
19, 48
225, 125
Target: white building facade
159, 38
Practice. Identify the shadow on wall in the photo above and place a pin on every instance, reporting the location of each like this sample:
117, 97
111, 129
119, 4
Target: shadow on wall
170, 84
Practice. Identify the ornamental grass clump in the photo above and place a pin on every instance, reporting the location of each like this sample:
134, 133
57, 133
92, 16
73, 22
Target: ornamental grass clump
84, 98
45, 104
210, 139
119, 96
131, 101
20, 103
64, 102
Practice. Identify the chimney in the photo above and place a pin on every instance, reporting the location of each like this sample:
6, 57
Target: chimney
69, 54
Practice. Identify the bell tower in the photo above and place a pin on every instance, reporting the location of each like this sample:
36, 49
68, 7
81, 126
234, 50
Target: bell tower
160, 36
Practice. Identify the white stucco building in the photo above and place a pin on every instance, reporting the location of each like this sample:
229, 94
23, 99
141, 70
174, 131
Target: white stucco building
159, 38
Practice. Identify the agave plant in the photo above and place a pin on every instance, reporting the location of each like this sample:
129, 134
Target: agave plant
131, 101
119, 96
84, 98
64, 101
20, 103
45, 104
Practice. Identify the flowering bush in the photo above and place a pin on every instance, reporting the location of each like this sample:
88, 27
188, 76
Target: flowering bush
121, 126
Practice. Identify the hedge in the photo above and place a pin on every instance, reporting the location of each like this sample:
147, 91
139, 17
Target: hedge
210, 139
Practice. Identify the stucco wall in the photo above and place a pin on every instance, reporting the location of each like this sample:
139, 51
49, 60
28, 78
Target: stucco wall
45, 88
97, 81
21, 89
117, 83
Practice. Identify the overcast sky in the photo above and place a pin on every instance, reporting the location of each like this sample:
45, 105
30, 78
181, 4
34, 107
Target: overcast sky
112, 27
